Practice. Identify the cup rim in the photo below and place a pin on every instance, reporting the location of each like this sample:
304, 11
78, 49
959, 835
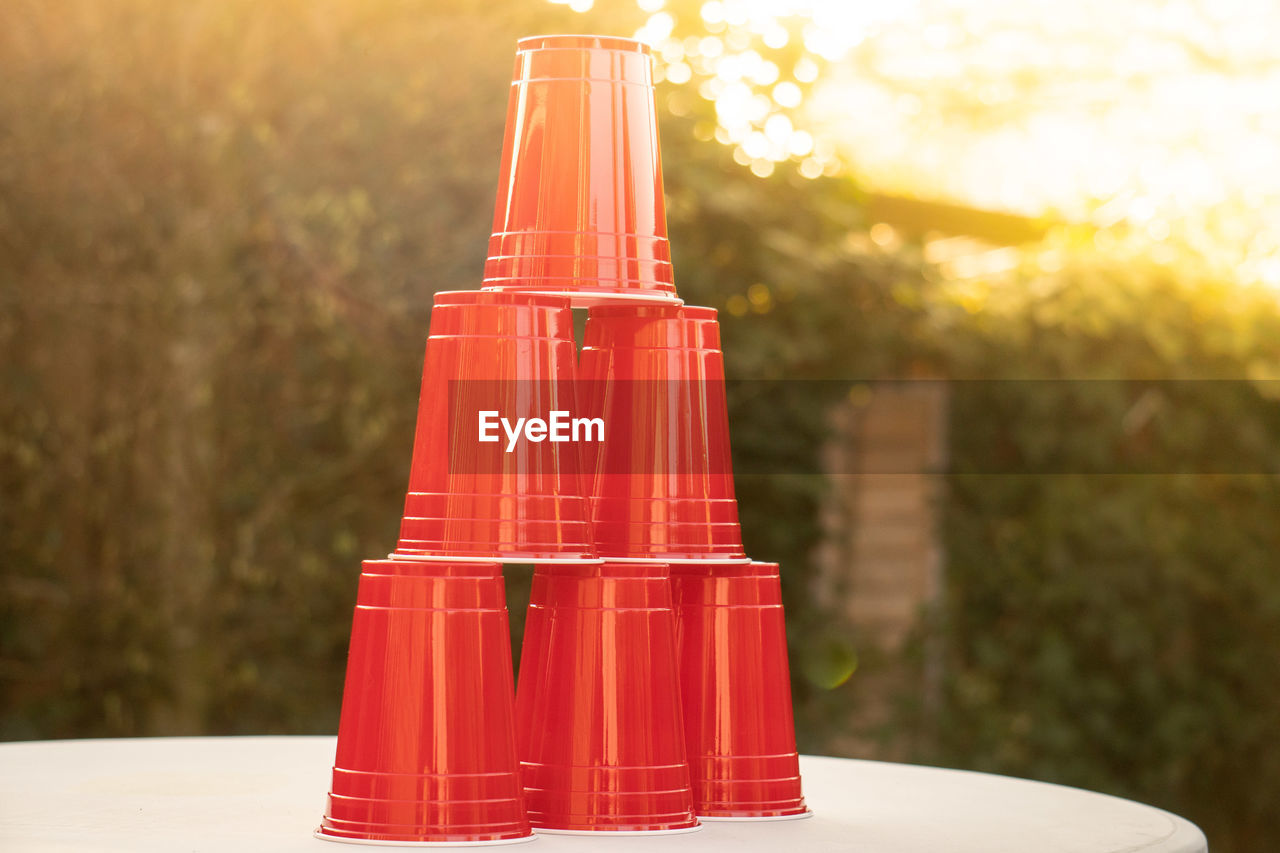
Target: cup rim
497, 298
370, 842
561, 41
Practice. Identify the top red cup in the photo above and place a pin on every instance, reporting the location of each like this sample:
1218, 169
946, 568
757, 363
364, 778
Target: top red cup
579, 209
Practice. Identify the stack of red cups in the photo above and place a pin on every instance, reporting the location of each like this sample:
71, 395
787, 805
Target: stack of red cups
653, 686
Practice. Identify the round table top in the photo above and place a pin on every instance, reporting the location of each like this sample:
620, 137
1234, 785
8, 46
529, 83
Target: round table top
268, 793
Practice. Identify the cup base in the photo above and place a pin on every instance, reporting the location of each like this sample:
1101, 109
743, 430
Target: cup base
699, 561
596, 833
590, 299
521, 559
807, 813
493, 842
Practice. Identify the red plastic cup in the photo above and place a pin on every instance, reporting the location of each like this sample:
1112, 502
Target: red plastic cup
426, 743
736, 689
663, 483
580, 208
598, 720
514, 354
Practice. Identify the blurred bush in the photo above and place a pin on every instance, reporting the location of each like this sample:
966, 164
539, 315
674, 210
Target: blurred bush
1111, 613
221, 224
220, 228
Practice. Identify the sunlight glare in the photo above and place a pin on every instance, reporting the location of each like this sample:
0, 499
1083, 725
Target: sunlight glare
1169, 109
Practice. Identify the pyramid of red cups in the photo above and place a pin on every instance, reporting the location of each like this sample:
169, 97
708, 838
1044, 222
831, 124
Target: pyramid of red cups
654, 692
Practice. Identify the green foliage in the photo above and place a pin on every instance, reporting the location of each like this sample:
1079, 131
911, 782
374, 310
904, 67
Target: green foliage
1104, 627
220, 228
1109, 515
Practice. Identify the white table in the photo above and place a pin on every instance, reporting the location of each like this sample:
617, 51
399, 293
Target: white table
267, 794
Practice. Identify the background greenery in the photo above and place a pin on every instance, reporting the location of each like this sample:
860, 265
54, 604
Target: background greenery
221, 224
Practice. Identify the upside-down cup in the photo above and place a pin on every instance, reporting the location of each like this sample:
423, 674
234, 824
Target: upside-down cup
474, 491
663, 476
598, 721
736, 691
426, 743
580, 208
